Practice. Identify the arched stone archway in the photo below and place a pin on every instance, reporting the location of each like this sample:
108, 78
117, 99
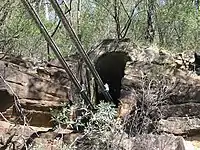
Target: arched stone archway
110, 67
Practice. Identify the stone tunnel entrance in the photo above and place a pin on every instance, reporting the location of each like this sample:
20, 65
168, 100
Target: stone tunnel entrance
111, 67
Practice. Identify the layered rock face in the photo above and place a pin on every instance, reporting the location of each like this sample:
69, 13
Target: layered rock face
165, 91
36, 87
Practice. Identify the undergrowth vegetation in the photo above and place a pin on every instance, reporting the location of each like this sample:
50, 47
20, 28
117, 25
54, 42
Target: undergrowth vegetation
173, 25
103, 130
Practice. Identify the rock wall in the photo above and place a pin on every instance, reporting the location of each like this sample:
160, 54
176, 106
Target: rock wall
164, 89
37, 87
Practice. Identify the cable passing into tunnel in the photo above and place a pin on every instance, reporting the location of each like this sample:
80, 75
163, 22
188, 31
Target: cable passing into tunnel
80, 48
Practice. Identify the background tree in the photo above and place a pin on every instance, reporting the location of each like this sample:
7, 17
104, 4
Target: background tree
171, 24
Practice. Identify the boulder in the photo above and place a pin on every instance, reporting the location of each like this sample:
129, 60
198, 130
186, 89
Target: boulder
180, 110
180, 126
20, 136
154, 142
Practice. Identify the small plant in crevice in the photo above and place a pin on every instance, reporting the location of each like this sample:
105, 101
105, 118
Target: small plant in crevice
61, 116
105, 114
70, 116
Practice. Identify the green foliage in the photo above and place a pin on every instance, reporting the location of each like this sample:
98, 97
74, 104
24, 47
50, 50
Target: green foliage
105, 114
62, 116
176, 25
71, 116
177, 21
101, 129
65, 116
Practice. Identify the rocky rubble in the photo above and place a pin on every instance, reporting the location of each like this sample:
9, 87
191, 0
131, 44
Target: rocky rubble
21, 136
184, 126
155, 142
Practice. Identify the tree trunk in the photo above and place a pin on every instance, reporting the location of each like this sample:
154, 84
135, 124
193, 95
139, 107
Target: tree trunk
150, 31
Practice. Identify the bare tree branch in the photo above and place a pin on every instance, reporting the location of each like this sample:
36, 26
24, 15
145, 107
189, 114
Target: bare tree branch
129, 21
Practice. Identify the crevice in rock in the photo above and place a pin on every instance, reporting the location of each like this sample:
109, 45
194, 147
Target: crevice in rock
111, 67
15, 82
7, 100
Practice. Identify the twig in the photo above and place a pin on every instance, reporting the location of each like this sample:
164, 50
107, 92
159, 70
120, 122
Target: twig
4, 117
7, 142
129, 21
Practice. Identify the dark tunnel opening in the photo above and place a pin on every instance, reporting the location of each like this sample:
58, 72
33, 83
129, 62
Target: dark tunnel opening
111, 67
